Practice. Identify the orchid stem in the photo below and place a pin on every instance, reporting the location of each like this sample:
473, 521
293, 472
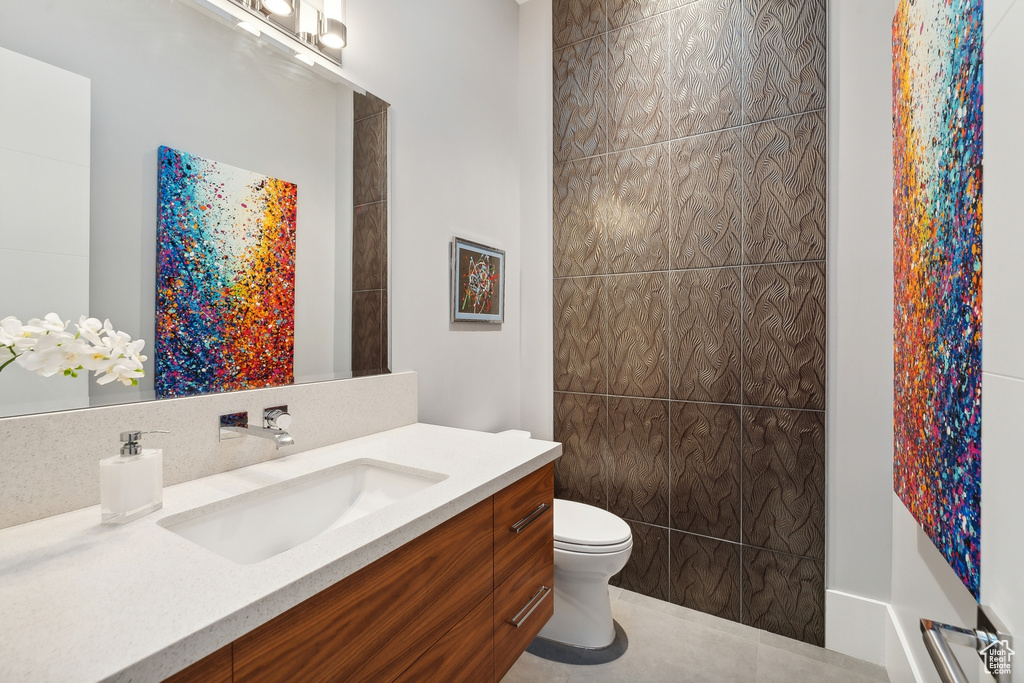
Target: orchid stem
11, 360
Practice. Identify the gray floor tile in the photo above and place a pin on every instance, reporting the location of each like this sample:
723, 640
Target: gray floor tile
783, 666
531, 669
680, 612
673, 644
665, 648
836, 659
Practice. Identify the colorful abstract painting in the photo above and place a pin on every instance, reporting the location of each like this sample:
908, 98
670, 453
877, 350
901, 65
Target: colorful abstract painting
478, 282
225, 308
937, 165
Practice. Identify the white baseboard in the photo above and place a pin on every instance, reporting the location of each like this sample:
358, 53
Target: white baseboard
869, 629
855, 626
899, 660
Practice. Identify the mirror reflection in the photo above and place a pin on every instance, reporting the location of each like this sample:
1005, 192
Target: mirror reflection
90, 102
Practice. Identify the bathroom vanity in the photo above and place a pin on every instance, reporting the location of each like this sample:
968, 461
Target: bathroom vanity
450, 581
460, 602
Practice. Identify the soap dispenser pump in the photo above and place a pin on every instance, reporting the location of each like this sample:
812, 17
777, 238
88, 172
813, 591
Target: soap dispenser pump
132, 483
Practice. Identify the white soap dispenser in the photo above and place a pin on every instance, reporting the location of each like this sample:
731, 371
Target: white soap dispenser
132, 483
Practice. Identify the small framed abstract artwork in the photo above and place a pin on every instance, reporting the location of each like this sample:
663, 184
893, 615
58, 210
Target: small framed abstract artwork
478, 282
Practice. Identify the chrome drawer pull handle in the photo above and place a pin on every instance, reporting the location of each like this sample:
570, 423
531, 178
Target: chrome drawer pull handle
535, 601
530, 518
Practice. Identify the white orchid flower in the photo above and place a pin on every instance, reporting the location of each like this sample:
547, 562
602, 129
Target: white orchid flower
46, 347
14, 335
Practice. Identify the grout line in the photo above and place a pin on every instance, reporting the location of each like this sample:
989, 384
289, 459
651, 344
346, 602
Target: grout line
699, 268
608, 151
680, 400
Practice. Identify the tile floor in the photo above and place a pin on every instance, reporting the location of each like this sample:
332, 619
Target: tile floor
676, 644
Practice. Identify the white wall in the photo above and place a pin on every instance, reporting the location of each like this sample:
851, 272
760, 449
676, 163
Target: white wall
535, 207
860, 324
920, 583
449, 68
1002, 467
44, 214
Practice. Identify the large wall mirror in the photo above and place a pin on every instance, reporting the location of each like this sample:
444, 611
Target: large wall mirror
105, 85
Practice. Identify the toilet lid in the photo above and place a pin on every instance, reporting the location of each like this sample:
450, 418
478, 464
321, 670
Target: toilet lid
586, 525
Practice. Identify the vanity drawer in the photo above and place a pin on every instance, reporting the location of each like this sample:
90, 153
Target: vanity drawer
376, 623
464, 654
523, 520
522, 605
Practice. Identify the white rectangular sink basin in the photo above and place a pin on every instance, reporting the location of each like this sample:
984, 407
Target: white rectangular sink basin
254, 526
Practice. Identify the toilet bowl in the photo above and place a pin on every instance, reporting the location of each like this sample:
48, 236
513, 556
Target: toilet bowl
591, 545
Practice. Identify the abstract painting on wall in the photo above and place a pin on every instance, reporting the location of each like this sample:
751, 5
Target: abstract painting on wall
478, 282
225, 305
937, 200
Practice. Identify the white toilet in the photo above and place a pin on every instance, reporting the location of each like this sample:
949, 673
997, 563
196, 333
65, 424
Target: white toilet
591, 546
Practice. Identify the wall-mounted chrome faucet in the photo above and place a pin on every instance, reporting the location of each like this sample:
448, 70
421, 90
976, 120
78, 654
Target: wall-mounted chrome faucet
276, 421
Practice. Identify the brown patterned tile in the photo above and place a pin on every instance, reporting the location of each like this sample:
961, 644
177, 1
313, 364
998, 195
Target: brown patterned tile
784, 185
366, 331
784, 335
646, 572
368, 239
637, 215
706, 575
367, 105
784, 594
638, 335
638, 84
705, 469
578, 226
580, 362
622, 12
580, 102
786, 62
638, 462
369, 160
706, 174
705, 334
580, 426
574, 20
706, 67
784, 480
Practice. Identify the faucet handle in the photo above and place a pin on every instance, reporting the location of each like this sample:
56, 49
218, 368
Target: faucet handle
277, 417
130, 440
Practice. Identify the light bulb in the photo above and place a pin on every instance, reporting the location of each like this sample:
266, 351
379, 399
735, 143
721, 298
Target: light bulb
282, 8
333, 34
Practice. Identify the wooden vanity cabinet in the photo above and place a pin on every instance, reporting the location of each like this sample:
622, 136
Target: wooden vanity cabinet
458, 603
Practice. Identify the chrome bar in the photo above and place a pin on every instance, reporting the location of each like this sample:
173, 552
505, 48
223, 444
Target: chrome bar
534, 603
530, 518
945, 662
990, 640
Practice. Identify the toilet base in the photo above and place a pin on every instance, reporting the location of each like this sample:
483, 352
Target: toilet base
583, 612
580, 656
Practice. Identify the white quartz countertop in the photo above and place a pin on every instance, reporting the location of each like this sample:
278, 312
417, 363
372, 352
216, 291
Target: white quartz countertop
82, 601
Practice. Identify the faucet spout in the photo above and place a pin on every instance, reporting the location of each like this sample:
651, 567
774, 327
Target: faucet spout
237, 424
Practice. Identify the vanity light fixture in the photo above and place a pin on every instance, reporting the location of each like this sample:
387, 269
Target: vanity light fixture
282, 8
295, 26
333, 33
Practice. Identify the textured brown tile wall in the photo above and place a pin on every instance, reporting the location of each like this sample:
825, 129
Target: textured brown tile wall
369, 237
689, 295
